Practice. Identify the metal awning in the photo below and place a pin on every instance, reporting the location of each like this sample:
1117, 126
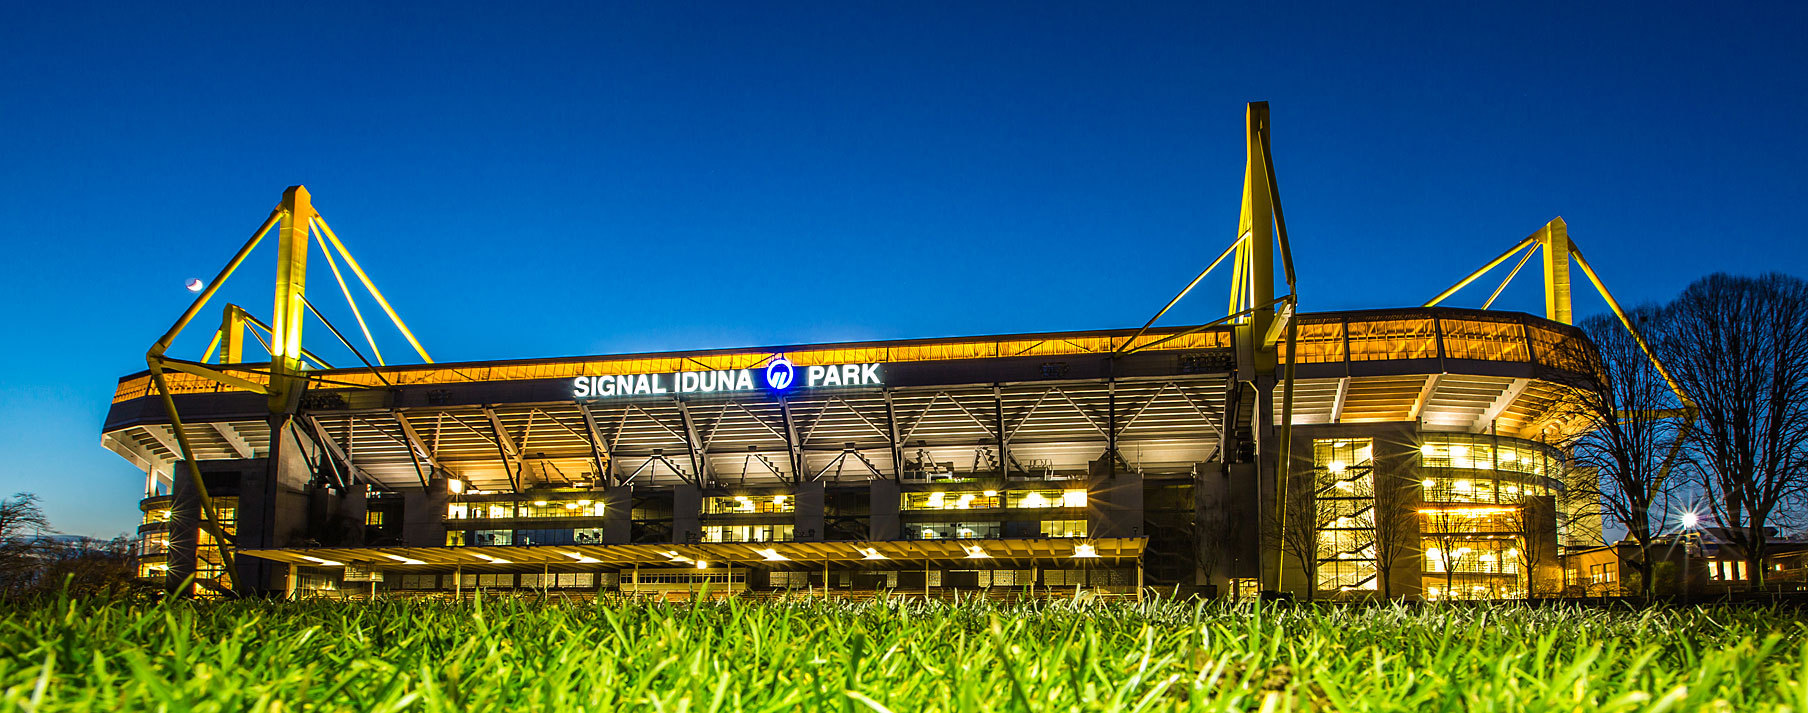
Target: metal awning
908, 554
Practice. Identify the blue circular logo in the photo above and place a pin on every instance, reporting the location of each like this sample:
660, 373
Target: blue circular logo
780, 373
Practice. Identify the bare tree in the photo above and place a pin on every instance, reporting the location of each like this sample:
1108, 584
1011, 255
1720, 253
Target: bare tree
1740, 348
1537, 539
1446, 528
1632, 427
22, 530
1295, 530
1344, 515
1396, 527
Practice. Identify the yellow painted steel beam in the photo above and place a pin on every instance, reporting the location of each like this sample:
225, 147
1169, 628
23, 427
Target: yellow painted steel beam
1238, 298
1510, 275
368, 285
210, 517
204, 372
291, 280
1532, 239
1256, 220
251, 320
212, 345
194, 308
1183, 293
1613, 304
1553, 239
340, 278
291, 283
232, 331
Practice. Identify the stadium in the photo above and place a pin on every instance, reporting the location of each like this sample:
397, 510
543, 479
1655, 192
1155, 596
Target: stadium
1413, 451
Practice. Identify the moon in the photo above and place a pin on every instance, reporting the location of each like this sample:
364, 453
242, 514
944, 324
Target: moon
194, 284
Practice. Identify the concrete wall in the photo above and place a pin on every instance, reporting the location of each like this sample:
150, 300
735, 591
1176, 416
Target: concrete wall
808, 501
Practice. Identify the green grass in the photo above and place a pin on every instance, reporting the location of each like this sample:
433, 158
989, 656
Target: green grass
517, 655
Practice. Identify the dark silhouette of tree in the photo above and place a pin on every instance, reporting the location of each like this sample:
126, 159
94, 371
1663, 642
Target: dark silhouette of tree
1739, 346
1633, 426
22, 543
1295, 530
1536, 537
1396, 527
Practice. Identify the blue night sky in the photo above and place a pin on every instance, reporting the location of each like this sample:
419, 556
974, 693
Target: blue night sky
549, 180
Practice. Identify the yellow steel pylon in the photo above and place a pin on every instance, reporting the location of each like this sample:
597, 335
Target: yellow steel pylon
296, 217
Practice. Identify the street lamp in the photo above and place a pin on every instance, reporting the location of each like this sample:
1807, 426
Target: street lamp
1689, 520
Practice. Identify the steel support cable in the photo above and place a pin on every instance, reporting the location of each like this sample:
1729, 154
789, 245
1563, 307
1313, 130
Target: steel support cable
342, 340
1510, 275
1484, 270
1183, 292
1209, 325
1688, 404
340, 278
1280, 218
253, 321
1280, 224
1637, 336
368, 285
262, 343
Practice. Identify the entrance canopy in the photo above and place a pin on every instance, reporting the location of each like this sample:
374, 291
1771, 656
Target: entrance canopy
910, 554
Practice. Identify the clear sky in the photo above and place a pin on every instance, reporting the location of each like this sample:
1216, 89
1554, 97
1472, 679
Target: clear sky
533, 179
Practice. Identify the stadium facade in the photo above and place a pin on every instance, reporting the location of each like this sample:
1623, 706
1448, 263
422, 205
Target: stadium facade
1409, 451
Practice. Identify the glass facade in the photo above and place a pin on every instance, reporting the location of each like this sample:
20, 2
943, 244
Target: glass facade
1343, 473
523, 509
1476, 488
210, 569
994, 499
745, 504
749, 533
1471, 552
953, 530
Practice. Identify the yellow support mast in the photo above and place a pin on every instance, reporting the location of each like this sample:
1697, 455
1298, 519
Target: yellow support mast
1553, 240
291, 285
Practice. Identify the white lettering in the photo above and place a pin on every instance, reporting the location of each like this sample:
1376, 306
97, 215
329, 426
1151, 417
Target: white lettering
686, 382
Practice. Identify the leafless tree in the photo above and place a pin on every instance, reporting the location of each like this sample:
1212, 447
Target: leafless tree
22, 530
1295, 531
1344, 513
1740, 348
1632, 427
1536, 536
1396, 527
1445, 527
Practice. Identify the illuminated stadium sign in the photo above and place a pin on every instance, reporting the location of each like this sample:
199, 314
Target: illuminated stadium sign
780, 374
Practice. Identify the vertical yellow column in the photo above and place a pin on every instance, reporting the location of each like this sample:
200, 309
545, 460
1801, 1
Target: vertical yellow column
1257, 222
232, 335
291, 284
1554, 238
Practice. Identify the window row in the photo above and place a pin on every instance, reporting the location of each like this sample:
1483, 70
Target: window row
524, 509
994, 530
994, 499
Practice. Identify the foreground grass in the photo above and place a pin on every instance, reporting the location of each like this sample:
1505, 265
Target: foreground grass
508, 654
